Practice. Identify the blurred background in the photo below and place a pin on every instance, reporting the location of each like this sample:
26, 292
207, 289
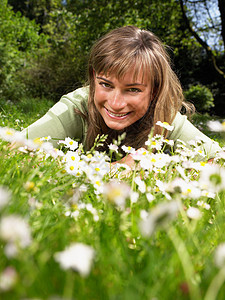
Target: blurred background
44, 45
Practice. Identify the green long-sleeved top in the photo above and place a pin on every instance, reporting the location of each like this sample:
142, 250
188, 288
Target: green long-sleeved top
61, 121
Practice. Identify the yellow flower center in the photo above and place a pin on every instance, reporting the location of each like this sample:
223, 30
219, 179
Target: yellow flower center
9, 132
37, 141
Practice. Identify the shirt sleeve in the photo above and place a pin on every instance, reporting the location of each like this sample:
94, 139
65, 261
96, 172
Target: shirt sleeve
61, 120
185, 131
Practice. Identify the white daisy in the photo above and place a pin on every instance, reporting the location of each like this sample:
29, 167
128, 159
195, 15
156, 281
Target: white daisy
165, 125
78, 257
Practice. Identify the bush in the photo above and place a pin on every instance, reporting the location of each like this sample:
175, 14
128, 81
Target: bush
19, 42
200, 96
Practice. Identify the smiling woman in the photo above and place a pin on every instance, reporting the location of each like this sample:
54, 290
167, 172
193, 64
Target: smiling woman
131, 86
121, 102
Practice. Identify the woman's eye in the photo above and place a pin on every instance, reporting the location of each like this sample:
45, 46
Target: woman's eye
105, 84
134, 90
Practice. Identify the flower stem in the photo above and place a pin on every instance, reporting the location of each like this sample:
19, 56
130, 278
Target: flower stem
215, 285
186, 263
68, 288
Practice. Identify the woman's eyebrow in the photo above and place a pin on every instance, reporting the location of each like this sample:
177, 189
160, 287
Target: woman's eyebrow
136, 83
130, 84
102, 78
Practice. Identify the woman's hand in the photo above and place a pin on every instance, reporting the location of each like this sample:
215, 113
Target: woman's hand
128, 160
15, 145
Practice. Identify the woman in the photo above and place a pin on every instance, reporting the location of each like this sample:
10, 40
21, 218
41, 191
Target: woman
131, 86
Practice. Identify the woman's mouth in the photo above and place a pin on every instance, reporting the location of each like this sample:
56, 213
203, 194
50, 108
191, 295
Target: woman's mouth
116, 115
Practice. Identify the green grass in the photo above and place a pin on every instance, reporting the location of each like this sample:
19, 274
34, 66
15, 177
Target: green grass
20, 114
175, 262
200, 121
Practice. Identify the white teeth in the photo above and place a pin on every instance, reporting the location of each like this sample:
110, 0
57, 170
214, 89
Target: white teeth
117, 115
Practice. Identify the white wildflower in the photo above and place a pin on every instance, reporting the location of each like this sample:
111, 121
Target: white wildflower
8, 279
72, 160
219, 256
11, 135
128, 149
56, 153
75, 214
5, 195
208, 194
169, 142
216, 126
160, 216
165, 125
134, 197
220, 154
161, 186
93, 211
117, 192
212, 178
15, 230
150, 197
11, 250
203, 204
146, 162
139, 154
198, 166
154, 143
99, 168
194, 213
186, 189
45, 138
98, 184
143, 214
78, 257
113, 147
141, 184
69, 143
161, 160
46, 147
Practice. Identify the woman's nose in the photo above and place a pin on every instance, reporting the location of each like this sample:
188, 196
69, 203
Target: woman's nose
116, 100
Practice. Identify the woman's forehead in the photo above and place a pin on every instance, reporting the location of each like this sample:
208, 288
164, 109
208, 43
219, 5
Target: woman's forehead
133, 74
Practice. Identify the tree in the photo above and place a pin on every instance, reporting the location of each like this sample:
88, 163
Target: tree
72, 26
19, 41
37, 10
198, 32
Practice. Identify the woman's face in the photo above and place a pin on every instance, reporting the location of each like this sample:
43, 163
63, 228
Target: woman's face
121, 102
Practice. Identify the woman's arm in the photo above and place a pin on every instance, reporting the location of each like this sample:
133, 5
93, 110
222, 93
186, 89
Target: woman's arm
61, 121
184, 130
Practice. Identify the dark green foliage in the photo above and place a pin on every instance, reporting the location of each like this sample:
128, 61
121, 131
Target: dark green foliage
44, 45
19, 42
200, 96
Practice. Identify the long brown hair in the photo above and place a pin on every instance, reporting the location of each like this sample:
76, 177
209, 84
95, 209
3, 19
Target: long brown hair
115, 53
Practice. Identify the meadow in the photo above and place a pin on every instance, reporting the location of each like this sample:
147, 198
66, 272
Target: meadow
74, 226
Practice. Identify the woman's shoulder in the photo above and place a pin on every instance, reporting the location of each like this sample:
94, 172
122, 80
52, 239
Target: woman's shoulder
78, 97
